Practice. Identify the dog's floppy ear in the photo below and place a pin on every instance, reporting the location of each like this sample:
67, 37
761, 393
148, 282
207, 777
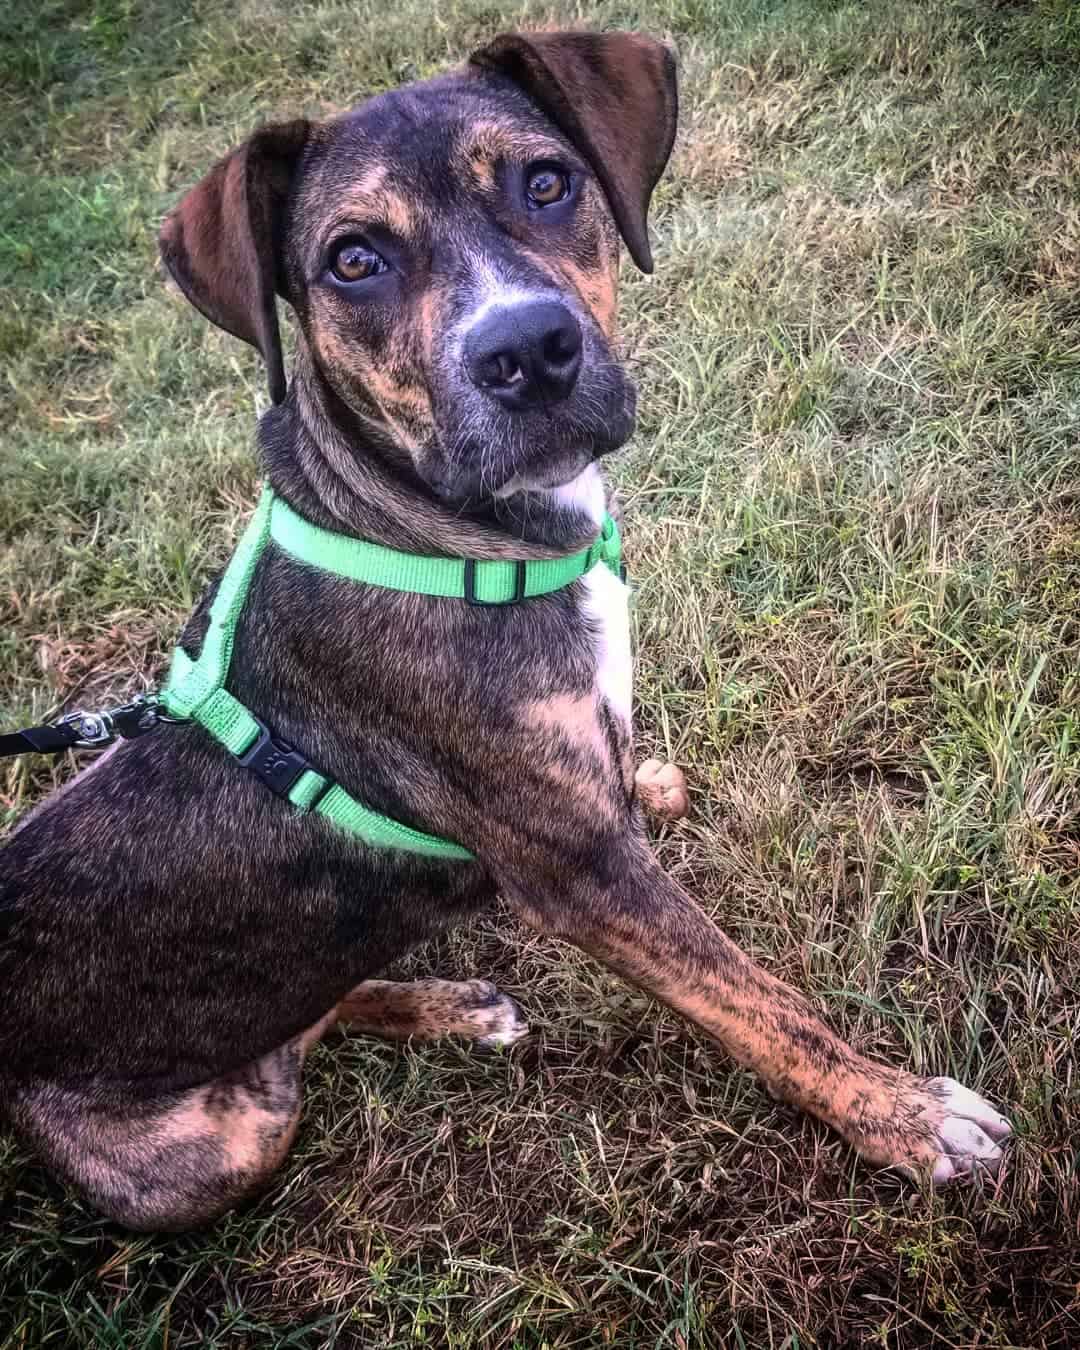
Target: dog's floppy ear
613, 96
221, 241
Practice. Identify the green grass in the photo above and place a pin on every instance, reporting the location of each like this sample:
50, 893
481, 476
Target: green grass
854, 522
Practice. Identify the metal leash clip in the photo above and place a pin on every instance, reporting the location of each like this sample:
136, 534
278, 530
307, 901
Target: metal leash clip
95, 730
87, 730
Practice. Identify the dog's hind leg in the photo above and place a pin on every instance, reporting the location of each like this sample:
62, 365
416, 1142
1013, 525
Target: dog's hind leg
179, 1162
430, 1009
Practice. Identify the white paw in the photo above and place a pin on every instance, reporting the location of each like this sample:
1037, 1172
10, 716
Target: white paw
504, 1022
969, 1131
661, 789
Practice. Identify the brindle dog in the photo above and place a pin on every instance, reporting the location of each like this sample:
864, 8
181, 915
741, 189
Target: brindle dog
173, 937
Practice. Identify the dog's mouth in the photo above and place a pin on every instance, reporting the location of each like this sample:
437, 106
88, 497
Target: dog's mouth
492, 456
557, 473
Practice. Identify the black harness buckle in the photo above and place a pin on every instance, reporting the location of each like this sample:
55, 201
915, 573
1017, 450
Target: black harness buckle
470, 586
273, 760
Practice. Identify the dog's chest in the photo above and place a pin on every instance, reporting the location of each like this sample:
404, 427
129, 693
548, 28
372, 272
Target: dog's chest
606, 607
606, 604
607, 613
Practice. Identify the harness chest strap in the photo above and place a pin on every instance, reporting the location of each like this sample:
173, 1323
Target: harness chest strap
195, 687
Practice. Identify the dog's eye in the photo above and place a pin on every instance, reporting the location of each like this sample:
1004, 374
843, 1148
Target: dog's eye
546, 184
354, 261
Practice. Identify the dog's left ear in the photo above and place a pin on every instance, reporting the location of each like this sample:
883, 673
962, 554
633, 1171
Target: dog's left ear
613, 95
222, 241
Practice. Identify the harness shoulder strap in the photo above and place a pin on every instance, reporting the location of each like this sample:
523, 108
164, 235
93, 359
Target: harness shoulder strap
195, 690
191, 683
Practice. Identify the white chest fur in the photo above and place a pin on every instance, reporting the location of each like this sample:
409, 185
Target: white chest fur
606, 605
608, 614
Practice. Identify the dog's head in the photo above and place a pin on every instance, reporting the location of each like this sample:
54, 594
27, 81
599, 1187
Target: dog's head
451, 252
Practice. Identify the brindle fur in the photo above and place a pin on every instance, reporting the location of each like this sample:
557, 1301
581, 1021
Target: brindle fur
426, 1010
173, 937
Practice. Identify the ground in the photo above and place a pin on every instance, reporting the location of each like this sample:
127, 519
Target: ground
853, 519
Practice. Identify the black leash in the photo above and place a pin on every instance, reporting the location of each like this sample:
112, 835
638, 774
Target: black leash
86, 730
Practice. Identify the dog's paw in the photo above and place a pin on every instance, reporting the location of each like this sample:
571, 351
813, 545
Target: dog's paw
967, 1131
938, 1128
661, 789
497, 1019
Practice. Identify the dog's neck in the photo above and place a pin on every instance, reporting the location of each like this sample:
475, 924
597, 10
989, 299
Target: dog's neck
320, 459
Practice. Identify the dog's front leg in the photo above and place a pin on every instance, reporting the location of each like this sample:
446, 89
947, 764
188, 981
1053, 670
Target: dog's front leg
634, 918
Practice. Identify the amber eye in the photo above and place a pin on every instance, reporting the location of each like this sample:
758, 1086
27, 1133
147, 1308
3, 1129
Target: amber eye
354, 261
545, 185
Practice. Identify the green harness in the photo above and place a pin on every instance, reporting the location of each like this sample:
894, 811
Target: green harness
195, 688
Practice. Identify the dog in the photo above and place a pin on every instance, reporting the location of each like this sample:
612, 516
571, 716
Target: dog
173, 936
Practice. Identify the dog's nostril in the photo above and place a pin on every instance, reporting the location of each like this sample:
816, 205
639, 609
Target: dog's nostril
561, 346
500, 368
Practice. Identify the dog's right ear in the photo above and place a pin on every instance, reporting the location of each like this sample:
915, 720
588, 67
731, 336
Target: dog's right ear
222, 241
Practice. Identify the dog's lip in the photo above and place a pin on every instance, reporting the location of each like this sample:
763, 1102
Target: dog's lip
563, 469
568, 470
546, 472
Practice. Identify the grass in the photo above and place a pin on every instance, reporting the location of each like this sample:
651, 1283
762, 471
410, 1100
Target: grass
855, 529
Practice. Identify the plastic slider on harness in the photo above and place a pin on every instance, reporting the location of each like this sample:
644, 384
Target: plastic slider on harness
520, 577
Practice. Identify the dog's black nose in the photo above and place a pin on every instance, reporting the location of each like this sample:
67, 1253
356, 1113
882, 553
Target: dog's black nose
525, 355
